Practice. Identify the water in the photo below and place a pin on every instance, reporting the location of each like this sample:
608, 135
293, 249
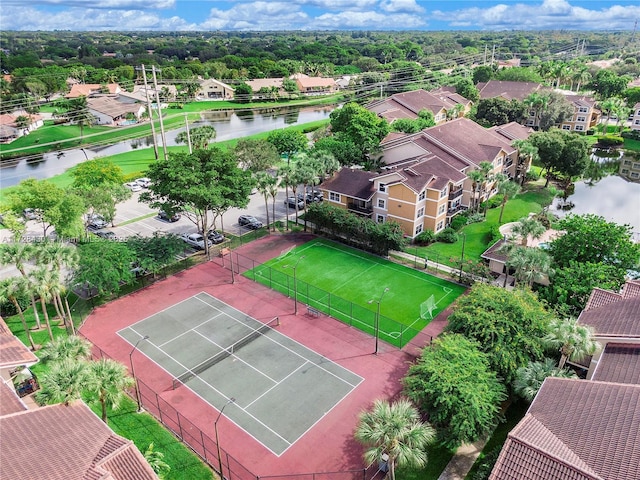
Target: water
613, 197
228, 125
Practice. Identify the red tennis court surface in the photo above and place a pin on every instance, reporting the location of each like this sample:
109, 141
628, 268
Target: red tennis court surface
328, 446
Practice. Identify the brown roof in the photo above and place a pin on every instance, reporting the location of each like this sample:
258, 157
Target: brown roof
260, 83
507, 89
351, 182
409, 104
9, 401
67, 442
88, 89
112, 107
575, 430
513, 131
614, 314
619, 363
315, 82
494, 252
428, 171
12, 351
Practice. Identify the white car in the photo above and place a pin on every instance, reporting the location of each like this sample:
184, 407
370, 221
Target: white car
144, 182
195, 240
133, 186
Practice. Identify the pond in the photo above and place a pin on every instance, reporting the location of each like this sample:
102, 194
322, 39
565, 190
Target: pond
613, 197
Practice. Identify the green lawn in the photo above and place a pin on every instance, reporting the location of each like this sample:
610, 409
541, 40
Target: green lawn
349, 285
437, 459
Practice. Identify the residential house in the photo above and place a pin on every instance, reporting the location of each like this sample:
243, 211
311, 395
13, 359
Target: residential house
630, 168
585, 114
93, 89
575, 429
442, 103
507, 90
635, 119
12, 125
615, 318
140, 93
315, 85
424, 181
266, 87
110, 111
212, 89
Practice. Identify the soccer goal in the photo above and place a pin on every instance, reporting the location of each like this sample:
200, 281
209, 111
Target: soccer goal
427, 307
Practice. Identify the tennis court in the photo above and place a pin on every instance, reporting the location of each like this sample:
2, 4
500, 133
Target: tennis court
358, 288
268, 384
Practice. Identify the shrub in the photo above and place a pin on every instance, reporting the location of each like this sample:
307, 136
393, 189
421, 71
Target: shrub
591, 131
532, 176
631, 134
425, 238
495, 234
448, 235
475, 218
610, 140
458, 222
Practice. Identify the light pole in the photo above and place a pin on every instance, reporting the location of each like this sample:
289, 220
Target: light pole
215, 428
295, 286
133, 372
377, 327
464, 238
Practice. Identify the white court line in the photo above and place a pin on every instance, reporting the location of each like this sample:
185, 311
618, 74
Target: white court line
190, 330
277, 384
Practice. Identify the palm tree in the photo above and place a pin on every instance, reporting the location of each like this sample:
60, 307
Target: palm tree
531, 265
42, 281
527, 153
64, 382
394, 429
156, 461
476, 178
109, 379
66, 348
78, 113
287, 179
199, 136
507, 189
18, 254
486, 170
528, 227
10, 289
574, 341
530, 377
264, 183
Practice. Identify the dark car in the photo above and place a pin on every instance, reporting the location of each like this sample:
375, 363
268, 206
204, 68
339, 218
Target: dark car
311, 197
293, 202
215, 236
106, 234
96, 222
162, 215
249, 221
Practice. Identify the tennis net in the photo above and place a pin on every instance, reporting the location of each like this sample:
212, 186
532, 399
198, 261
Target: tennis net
226, 352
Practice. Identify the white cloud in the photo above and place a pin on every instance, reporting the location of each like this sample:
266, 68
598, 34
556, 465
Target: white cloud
101, 4
340, 5
257, 16
407, 6
371, 20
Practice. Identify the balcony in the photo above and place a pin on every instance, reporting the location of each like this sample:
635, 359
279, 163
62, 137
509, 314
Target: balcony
360, 209
455, 210
453, 194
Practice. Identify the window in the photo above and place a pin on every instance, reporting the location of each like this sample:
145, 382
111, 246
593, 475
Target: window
566, 127
440, 225
499, 162
583, 110
443, 193
442, 208
625, 171
635, 175
382, 187
420, 212
380, 219
382, 203
637, 122
627, 162
532, 113
582, 119
579, 128
418, 229
636, 166
334, 197
423, 195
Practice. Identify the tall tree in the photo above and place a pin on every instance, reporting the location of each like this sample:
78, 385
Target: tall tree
63, 382
573, 340
288, 142
42, 282
71, 348
359, 126
453, 382
104, 266
12, 289
19, 254
264, 183
530, 377
108, 379
79, 114
528, 227
199, 136
256, 155
394, 429
508, 189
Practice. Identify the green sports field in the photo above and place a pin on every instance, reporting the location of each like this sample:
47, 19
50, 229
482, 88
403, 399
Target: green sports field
348, 284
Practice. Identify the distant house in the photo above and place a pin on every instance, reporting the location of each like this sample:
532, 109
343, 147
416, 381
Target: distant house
109, 111
212, 89
635, 120
315, 85
93, 89
262, 87
12, 127
441, 103
140, 93
507, 90
585, 114
575, 429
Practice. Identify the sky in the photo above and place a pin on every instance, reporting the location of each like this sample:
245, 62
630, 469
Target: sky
276, 15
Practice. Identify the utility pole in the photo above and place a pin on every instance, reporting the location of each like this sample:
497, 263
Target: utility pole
164, 138
186, 122
485, 55
153, 128
493, 55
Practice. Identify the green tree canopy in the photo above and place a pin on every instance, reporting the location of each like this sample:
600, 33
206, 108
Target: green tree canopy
530, 377
96, 173
561, 152
498, 111
288, 141
360, 126
453, 382
103, 266
255, 154
508, 325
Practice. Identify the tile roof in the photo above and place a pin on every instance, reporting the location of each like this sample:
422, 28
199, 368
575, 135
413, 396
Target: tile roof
88, 89
575, 430
619, 363
614, 314
9, 400
311, 82
259, 83
427, 171
12, 351
409, 104
351, 182
507, 89
112, 107
67, 442
513, 131
494, 252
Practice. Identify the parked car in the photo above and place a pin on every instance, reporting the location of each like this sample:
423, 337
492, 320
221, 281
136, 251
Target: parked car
106, 234
31, 214
96, 222
249, 221
293, 202
215, 236
133, 186
144, 182
310, 198
195, 240
162, 215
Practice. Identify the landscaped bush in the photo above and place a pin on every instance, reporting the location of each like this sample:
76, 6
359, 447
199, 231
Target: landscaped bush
425, 238
610, 140
532, 176
448, 235
495, 234
475, 218
458, 222
543, 219
493, 202
631, 134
